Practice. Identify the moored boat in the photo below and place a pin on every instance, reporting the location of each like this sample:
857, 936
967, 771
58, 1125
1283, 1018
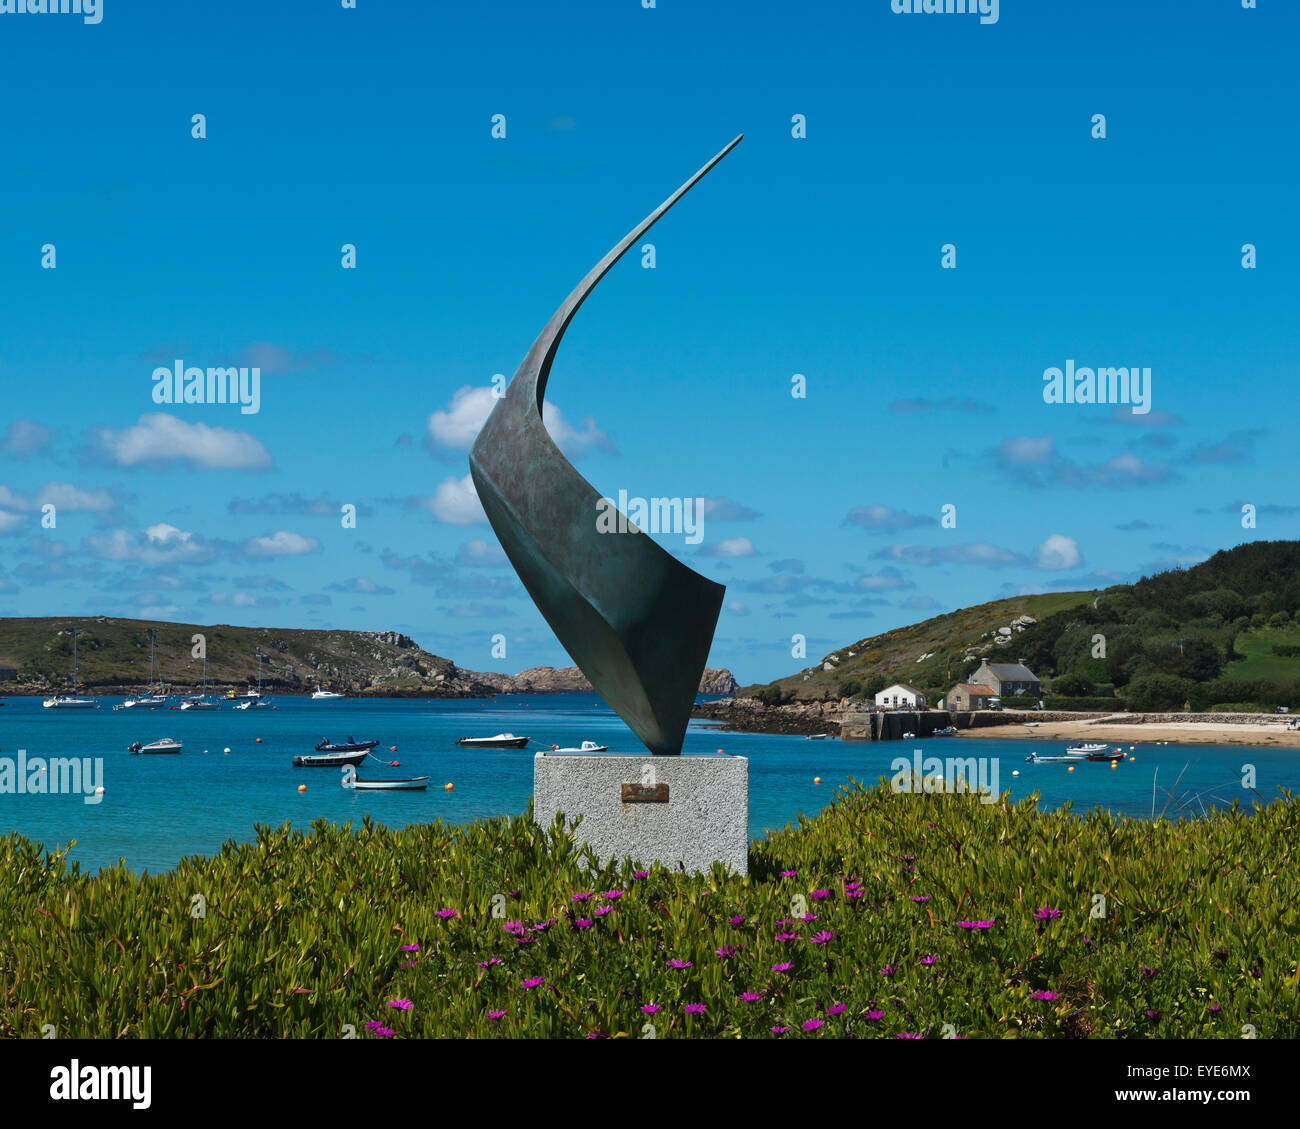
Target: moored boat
328, 760
1085, 748
326, 696
500, 741
351, 745
409, 784
165, 745
587, 747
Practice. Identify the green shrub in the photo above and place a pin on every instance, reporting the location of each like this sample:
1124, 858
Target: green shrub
303, 934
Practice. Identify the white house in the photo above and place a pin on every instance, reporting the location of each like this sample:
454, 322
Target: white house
900, 697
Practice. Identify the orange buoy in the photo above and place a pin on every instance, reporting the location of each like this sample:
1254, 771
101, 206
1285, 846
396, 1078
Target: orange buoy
302, 787
447, 787
817, 779
1070, 768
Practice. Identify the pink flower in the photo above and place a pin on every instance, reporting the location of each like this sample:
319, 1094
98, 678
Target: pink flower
401, 1005
751, 997
680, 964
737, 920
874, 1014
784, 966
789, 874
888, 970
778, 1030
787, 936
811, 1024
835, 1009
600, 911
534, 982
582, 897
650, 1009
726, 951
489, 962
497, 1014
446, 913
641, 874
410, 948
582, 923
928, 960
809, 917
612, 894
825, 937
694, 1009
819, 894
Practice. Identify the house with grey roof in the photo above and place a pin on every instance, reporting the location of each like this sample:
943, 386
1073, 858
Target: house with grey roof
1008, 680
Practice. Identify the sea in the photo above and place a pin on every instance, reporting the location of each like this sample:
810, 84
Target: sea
236, 769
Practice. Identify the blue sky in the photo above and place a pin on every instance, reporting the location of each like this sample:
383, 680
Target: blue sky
818, 255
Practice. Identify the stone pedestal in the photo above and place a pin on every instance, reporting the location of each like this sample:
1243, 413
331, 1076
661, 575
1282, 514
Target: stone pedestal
687, 810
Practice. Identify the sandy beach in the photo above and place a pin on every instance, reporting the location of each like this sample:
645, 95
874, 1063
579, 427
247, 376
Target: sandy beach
1176, 732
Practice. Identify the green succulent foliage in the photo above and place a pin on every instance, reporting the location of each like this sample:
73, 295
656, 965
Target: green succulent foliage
1160, 928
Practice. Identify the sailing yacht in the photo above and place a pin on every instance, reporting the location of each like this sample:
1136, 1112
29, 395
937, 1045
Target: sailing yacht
152, 697
200, 701
69, 701
253, 700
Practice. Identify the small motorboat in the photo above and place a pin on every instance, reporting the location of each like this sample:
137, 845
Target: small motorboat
500, 741
326, 696
818, 736
351, 745
909, 736
166, 745
1034, 758
409, 784
202, 702
1085, 749
946, 731
1117, 755
253, 704
329, 760
67, 702
587, 747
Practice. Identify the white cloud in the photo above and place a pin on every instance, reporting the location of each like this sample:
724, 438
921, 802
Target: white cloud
282, 543
63, 495
732, 547
160, 544
25, 437
1027, 449
458, 425
158, 437
1058, 552
481, 554
455, 502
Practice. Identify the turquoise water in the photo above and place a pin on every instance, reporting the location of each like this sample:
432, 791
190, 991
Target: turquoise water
158, 809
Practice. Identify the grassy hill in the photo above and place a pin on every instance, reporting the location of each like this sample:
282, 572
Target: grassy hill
113, 654
1224, 634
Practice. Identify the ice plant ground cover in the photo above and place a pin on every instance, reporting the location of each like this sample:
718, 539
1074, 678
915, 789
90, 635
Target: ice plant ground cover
887, 916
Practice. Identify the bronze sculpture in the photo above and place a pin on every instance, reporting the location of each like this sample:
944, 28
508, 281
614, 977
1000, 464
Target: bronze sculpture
638, 622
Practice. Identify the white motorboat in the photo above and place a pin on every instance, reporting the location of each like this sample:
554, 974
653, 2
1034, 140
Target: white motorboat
500, 741
1084, 749
70, 701
1034, 758
165, 745
818, 736
587, 747
326, 696
67, 702
253, 704
410, 784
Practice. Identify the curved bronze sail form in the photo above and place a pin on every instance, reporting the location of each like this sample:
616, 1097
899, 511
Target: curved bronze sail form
637, 621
